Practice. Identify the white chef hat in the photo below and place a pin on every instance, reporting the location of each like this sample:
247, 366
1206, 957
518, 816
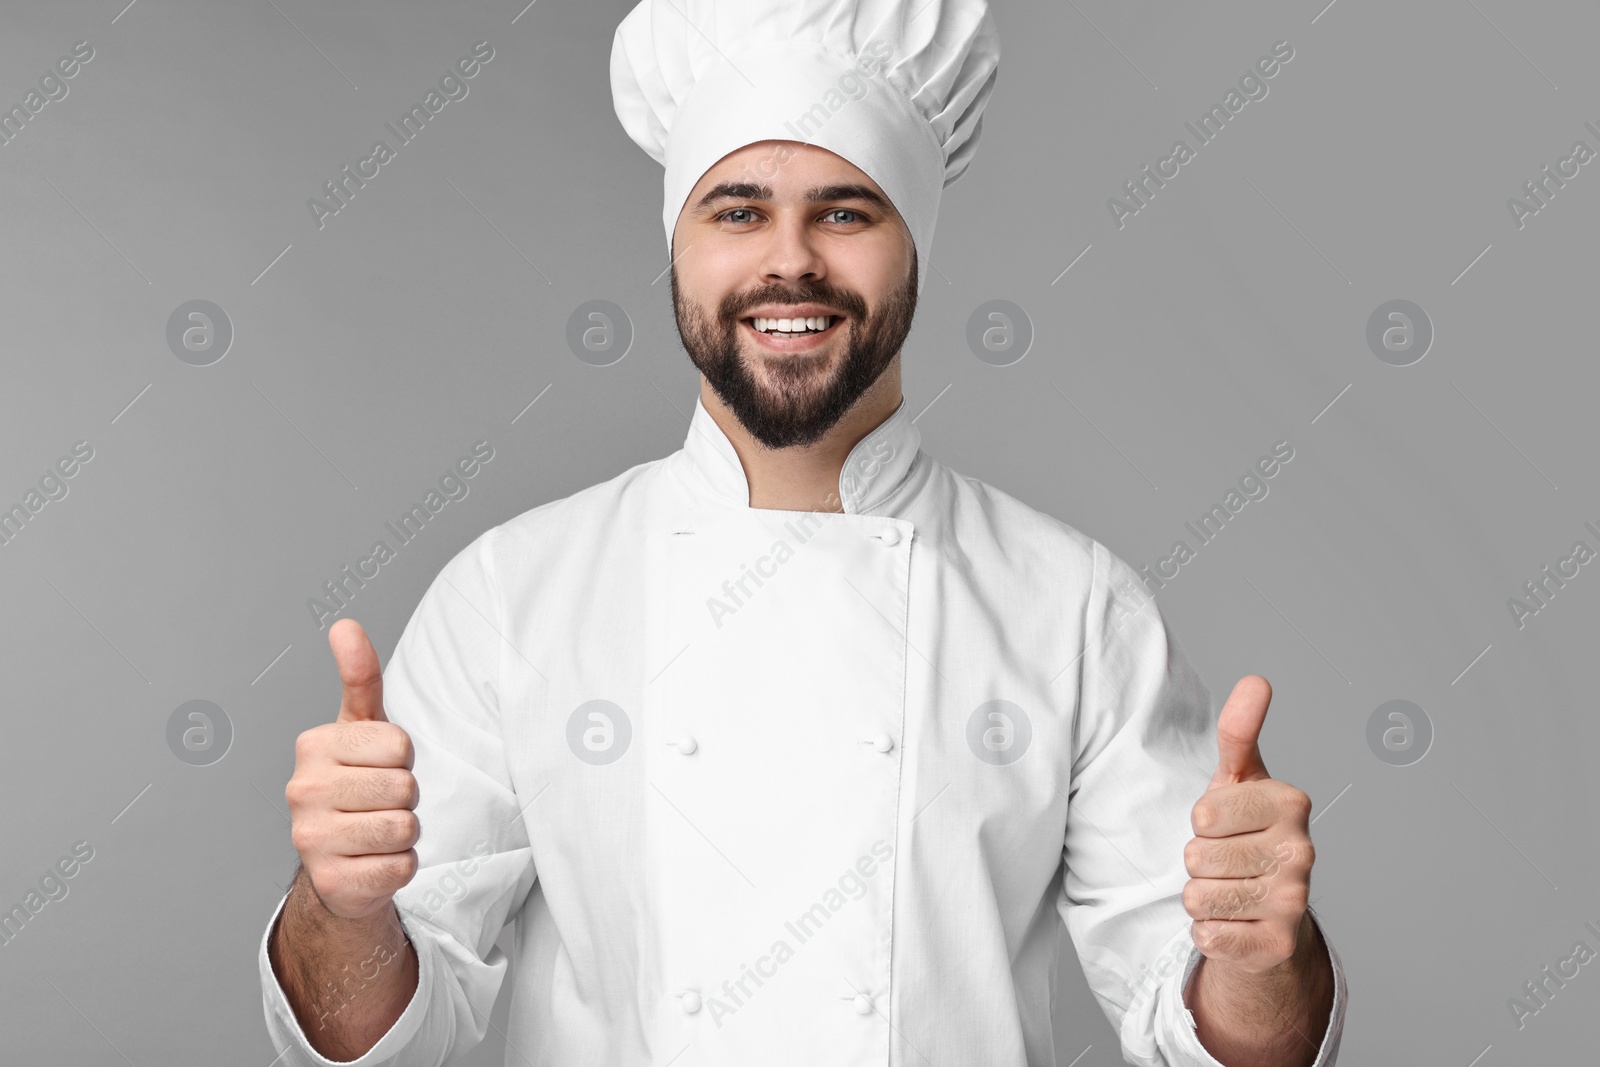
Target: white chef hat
897, 87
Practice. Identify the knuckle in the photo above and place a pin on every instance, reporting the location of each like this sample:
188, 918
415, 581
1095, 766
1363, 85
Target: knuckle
369, 832
1194, 854
399, 827
403, 750
359, 734
368, 787
366, 878
397, 871
1298, 801
1268, 866
1193, 899
409, 791
1254, 804
387, 788
1238, 900
383, 831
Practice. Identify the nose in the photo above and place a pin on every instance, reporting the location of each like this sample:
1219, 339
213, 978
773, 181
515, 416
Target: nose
792, 253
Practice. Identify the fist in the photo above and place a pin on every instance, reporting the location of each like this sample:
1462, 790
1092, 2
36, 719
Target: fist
352, 797
1250, 859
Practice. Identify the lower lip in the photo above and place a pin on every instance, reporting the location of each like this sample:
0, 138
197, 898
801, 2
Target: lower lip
784, 342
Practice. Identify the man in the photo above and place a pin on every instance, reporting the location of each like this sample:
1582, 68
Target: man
790, 748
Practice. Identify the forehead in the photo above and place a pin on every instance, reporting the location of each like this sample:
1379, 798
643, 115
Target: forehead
788, 168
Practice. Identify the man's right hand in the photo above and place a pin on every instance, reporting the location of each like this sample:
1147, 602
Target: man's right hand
352, 796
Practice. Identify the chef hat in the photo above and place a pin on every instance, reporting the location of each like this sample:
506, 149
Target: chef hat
897, 87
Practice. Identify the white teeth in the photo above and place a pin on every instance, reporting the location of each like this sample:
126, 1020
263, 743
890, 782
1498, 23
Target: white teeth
800, 325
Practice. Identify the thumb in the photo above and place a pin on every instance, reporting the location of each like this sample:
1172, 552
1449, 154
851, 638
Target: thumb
1239, 731
359, 671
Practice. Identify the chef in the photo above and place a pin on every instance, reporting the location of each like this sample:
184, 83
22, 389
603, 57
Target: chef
794, 746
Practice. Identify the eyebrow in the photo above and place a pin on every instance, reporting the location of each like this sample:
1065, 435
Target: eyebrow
816, 195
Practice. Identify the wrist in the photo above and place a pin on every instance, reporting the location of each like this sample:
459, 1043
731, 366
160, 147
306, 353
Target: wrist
308, 909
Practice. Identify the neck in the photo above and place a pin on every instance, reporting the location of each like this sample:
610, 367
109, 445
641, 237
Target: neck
805, 478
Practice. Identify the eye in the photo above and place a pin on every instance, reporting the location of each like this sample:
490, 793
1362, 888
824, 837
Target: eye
742, 215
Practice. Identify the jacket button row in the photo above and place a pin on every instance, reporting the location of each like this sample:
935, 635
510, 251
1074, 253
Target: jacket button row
863, 1004
883, 742
691, 1002
686, 745
890, 536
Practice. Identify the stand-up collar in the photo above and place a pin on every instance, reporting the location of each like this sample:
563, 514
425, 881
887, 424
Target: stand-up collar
877, 464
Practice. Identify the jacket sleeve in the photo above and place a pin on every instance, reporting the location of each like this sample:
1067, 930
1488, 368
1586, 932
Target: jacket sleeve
475, 866
1144, 750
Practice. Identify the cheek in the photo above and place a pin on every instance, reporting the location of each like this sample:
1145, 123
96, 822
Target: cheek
709, 273
874, 271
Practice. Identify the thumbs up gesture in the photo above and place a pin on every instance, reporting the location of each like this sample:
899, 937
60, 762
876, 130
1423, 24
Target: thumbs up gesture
352, 796
1250, 860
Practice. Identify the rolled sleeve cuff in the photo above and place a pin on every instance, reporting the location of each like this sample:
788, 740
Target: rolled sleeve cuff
284, 1027
1176, 1027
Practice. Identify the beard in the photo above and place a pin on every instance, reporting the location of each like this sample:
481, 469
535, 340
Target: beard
797, 399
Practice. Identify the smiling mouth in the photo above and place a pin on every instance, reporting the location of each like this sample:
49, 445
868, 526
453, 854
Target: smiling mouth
789, 327
789, 334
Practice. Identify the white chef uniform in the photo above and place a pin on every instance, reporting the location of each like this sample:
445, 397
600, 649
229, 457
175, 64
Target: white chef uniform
784, 787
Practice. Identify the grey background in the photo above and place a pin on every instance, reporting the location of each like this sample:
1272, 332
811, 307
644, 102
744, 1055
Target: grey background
369, 355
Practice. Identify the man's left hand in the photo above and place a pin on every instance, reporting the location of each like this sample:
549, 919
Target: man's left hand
1250, 860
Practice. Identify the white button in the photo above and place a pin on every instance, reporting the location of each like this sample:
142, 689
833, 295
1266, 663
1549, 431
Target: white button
890, 536
863, 1004
686, 745
883, 742
691, 1002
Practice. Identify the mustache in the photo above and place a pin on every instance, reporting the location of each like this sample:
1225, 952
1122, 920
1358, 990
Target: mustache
733, 307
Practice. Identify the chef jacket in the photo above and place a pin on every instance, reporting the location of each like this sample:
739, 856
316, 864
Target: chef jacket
767, 786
